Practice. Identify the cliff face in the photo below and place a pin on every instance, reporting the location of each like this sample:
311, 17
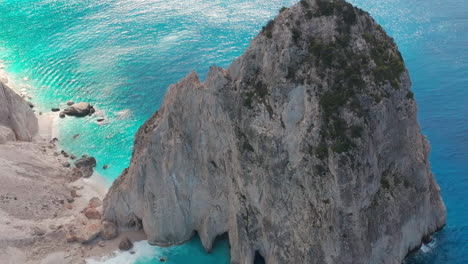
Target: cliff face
17, 120
306, 149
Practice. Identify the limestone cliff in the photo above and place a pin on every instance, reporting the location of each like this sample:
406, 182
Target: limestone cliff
17, 120
306, 149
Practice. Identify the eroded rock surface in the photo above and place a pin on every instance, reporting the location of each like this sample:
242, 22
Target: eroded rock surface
15, 115
306, 149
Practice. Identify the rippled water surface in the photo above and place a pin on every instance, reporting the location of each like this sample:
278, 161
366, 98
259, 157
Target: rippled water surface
121, 55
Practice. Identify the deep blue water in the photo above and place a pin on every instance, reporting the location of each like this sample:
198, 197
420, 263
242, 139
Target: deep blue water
121, 55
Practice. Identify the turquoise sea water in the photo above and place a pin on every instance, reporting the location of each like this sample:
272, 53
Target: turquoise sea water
121, 55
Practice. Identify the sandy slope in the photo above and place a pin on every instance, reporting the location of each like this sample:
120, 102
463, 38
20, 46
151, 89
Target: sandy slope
40, 204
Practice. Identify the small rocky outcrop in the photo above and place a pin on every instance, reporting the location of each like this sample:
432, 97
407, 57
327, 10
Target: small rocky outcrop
125, 244
86, 166
307, 149
79, 110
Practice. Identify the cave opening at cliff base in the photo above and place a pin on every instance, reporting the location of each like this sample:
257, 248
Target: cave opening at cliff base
258, 259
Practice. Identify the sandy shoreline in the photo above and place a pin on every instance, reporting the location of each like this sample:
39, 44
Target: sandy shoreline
41, 204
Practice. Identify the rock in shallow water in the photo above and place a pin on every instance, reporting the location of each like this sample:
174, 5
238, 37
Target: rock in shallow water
79, 110
86, 165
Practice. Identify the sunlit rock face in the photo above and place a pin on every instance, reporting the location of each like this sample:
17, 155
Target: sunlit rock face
17, 120
306, 149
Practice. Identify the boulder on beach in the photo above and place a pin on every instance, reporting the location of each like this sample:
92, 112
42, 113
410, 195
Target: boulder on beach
92, 213
86, 165
55, 109
108, 230
79, 109
125, 244
94, 202
86, 233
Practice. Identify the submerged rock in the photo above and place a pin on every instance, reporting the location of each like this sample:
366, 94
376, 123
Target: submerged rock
307, 149
79, 110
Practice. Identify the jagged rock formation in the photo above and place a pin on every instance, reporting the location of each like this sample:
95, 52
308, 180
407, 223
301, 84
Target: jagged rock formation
306, 149
17, 121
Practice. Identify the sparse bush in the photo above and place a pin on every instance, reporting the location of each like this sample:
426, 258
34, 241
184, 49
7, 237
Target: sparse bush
323, 52
385, 183
342, 144
410, 95
305, 4
321, 151
331, 101
326, 7
296, 34
268, 29
356, 131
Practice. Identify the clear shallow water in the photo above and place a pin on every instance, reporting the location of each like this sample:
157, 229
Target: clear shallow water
191, 252
121, 55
